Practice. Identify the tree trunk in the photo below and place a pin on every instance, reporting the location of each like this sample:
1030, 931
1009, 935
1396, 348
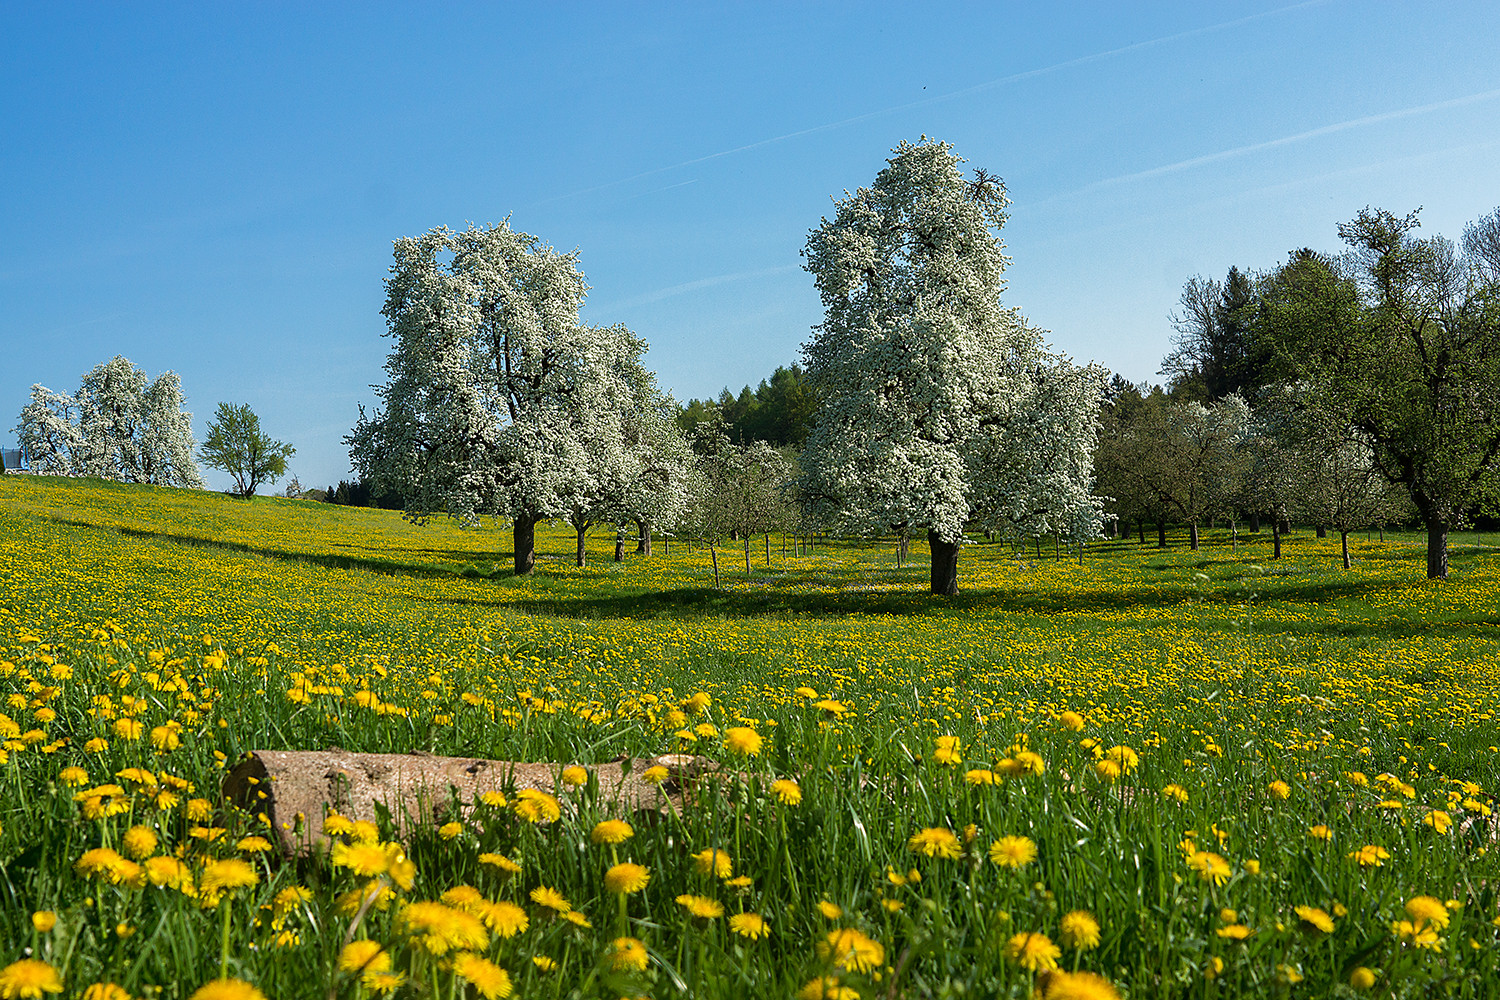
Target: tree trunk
944, 564
715, 554
619, 545
581, 557
643, 543
1344, 545
1234, 534
525, 543
1193, 535
1276, 538
903, 546
1141, 527
747, 555
1161, 534
1254, 524
666, 544
1322, 531
768, 550
1437, 548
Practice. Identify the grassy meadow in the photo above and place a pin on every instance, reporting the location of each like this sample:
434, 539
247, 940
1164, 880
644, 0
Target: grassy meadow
1148, 774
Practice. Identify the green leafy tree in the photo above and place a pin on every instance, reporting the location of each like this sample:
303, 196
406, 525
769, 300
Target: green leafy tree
1403, 336
236, 445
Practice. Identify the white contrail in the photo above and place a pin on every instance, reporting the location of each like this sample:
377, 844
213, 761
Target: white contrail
967, 91
1344, 126
646, 298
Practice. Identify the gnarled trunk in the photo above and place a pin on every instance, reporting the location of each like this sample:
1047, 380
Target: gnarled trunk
619, 545
944, 565
1193, 535
525, 543
643, 541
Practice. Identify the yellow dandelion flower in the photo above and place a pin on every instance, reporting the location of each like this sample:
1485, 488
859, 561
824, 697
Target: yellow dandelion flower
1314, 917
1127, 758
1079, 930
713, 862
575, 776
488, 979
1210, 867
1279, 790
365, 860
43, 921
228, 873
935, 842
439, 928
1320, 832
626, 877
743, 740
536, 806
1176, 793
749, 925
979, 776
550, 898
1234, 932
139, 841
701, 906
611, 831
948, 750
1032, 951
227, 989
73, 775
1061, 985
655, 774
787, 791
544, 963
1370, 856
451, 831
1438, 820
29, 978
628, 953
1013, 852
850, 950
830, 911
1072, 721
827, 988
1362, 978
360, 957
1426, 909
105, 991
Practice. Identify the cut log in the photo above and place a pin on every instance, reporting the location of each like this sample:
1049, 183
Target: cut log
295, 789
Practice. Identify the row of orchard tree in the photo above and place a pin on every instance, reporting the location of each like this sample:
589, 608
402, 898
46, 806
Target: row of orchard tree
1343, 391
939, 410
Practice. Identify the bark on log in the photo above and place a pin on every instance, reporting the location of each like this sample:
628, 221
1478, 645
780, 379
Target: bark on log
296, 788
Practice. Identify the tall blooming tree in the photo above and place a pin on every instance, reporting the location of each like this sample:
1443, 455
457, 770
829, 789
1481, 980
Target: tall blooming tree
940, 406
118, 425
500, 402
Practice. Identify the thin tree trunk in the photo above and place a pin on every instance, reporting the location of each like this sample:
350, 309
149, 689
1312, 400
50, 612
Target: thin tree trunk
768, 550
1276, 537
747, 555
643, 543
1344, 545
581, 532
1254, 524
1322, 531
1141, 526
666, 544
1234, 534
619, 545
1193, 535
944, 565
1161, 534
715, 555
525, 543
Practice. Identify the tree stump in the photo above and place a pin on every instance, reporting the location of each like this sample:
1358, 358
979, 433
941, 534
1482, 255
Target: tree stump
294, 789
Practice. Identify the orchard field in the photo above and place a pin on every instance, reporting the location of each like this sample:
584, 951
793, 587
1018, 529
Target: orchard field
1148, 774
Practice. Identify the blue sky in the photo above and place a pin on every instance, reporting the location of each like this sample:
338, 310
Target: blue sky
214, 188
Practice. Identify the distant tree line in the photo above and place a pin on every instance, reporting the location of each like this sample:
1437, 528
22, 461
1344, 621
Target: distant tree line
1344, 391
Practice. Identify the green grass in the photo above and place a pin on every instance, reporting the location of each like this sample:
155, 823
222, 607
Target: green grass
258, 624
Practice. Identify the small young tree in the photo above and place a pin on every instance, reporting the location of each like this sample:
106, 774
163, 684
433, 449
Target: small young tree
236, 445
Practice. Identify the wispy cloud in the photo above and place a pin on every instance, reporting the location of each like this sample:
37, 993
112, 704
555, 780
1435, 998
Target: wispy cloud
950, 96
1287, 140
647, 298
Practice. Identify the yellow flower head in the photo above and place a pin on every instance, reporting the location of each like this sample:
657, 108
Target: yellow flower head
626, 877
360, 957
935, 842
949, 750
1279, 790
787, 791
439, 928
1210, 867
713, 862
852, 951
701, 906
536, 806
575, 776
749, 925
228, 873
1072, 721
611, 831
550, 898
1013, 852
488, 979
139, 841
1076, 986
1314, 917
1032, 952
743, 740
628, 953
1079, 930
1426, 909
227, 989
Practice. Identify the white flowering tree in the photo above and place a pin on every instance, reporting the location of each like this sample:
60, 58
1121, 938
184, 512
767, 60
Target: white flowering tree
500, 402
119, 425
940, 407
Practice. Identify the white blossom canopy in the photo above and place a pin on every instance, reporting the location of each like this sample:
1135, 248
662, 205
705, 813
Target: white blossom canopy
940, 406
